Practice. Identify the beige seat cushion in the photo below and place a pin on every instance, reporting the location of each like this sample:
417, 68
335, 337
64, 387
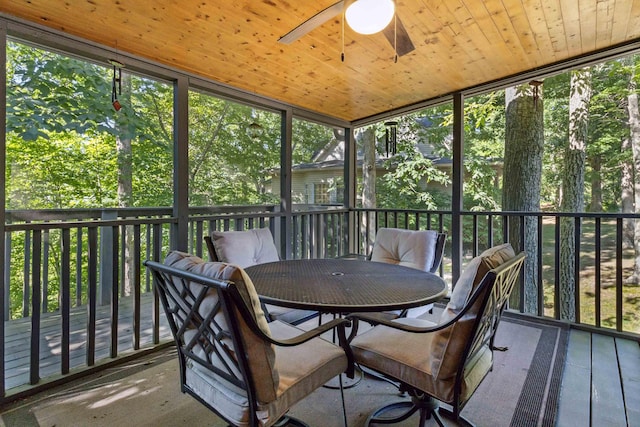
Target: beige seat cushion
410, 248
245, 248
302, 368
406, 357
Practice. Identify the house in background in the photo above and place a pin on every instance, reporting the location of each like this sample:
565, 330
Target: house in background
321, 181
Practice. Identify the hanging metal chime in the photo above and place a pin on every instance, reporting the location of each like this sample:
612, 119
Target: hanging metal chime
391, 137
117, 80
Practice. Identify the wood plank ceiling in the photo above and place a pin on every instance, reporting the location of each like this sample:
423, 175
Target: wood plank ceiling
458, 43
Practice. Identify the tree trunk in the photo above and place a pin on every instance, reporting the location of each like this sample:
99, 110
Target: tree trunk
626, 182
573, 187
368, 139
523, 148
125, 183
634, 135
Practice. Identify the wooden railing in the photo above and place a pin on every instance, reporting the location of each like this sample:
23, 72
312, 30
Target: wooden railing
64, 264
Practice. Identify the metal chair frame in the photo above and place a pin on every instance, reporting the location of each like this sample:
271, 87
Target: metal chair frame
489, 299
182, 310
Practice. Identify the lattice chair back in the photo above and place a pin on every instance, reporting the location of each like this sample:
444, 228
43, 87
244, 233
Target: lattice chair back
475, 330
222, 362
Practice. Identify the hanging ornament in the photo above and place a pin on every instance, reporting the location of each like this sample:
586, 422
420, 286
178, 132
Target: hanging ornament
116, 81
391, 137
536, 94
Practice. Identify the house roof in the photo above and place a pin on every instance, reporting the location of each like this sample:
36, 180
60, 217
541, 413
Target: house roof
458, 44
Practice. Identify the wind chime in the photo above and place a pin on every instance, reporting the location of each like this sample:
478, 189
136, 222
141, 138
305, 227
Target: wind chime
391, 137
536, 94
116, 82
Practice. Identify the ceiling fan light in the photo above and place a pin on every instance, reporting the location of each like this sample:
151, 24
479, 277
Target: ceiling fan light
369, 16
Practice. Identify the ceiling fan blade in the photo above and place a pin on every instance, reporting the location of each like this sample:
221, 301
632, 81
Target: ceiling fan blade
404, 43
312, 23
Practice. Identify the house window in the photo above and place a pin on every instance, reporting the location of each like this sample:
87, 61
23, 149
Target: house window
321, 193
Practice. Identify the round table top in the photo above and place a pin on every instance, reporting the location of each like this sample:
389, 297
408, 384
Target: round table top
344, 285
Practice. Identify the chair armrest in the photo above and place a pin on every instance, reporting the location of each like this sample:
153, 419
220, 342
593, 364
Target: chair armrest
339, 324
307, 335
375, 320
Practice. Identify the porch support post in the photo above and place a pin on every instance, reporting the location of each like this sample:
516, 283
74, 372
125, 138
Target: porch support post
286, 150
4, 286
350, 183
180, 230
458, 179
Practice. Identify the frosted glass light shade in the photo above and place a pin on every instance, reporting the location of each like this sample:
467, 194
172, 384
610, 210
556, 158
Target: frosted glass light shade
369, 16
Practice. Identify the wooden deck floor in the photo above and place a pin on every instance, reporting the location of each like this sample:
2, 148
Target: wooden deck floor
600, 384
18, 337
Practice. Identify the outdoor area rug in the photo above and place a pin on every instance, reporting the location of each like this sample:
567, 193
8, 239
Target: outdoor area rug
531, 370
522, 390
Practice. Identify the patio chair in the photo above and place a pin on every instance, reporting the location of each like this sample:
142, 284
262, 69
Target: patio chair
249, 372
251, 247
419, 249
448, 360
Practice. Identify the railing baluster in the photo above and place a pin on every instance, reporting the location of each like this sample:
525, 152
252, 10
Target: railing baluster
523, 247
490, 239
576, 266
6, 294
598, 272
157, 244
45, 271
474, 243
26, 292
556, 282
79, 265
619, 281
147, 287
115, 277
65, 300
199, 237
137, 262
92, 294
539, 278
36, 305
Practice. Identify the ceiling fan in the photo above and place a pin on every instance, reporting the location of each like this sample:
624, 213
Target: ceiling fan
393, 30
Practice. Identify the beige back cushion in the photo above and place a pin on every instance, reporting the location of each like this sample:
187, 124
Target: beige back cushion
448, 344
410, 248
245, 248
260, 354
